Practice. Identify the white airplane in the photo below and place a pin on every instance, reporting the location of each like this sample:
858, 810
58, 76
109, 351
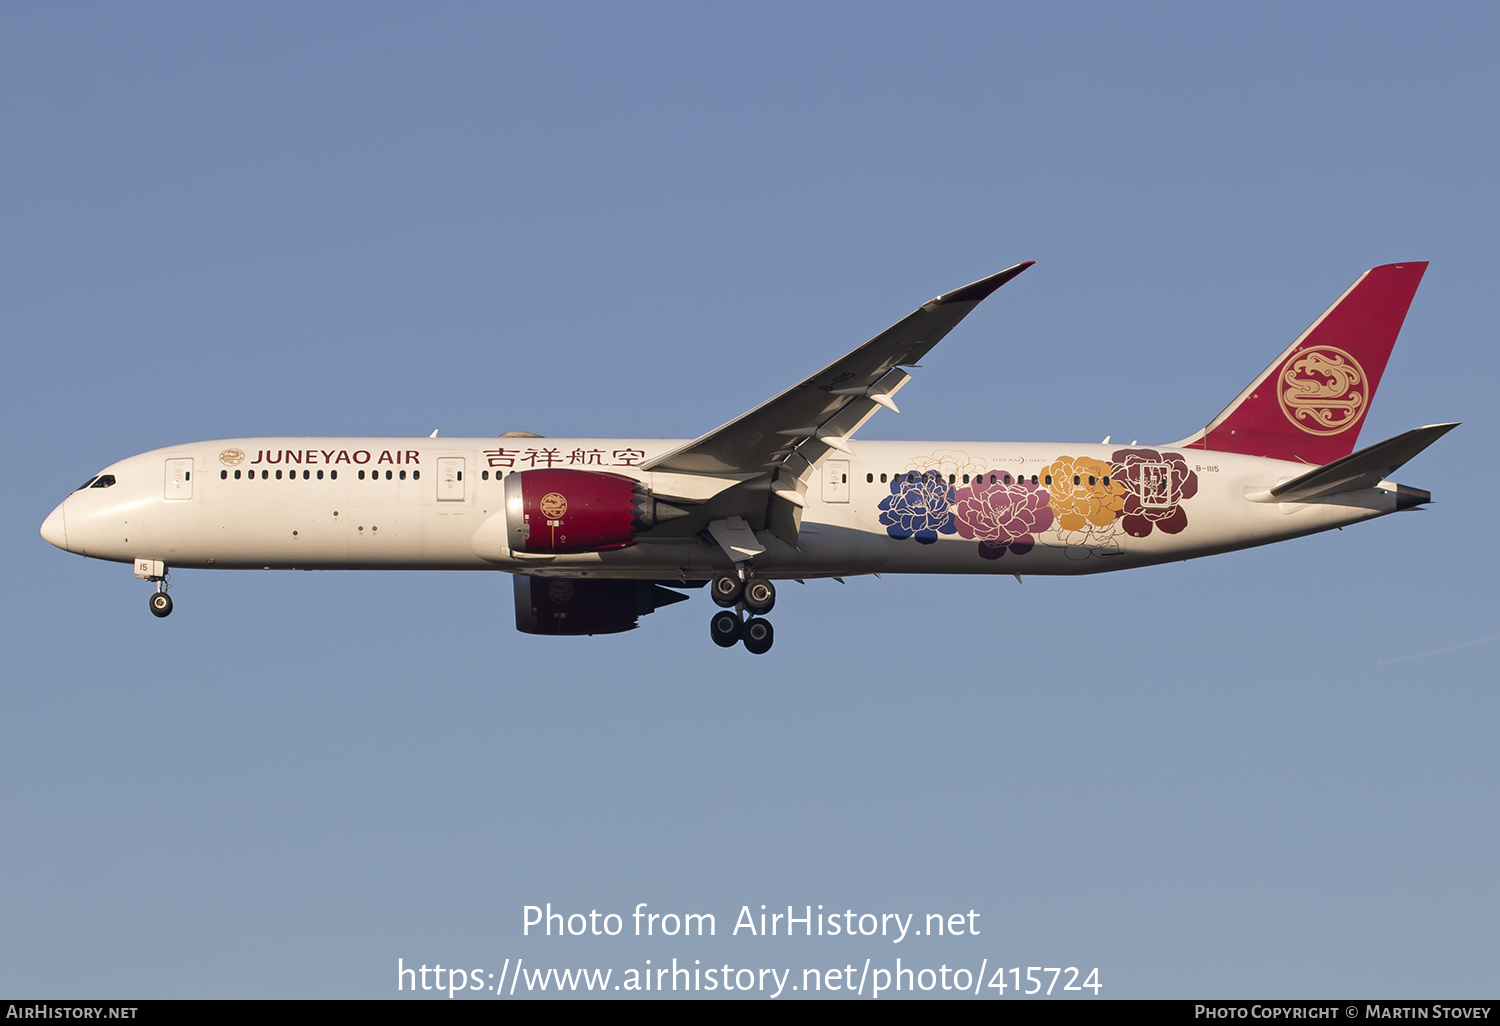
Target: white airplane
598, 531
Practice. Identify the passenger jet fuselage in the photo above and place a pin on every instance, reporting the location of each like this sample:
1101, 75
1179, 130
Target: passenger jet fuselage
598, 530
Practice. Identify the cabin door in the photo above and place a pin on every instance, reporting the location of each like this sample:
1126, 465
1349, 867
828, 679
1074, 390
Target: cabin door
450, 481
179, 479
836, 481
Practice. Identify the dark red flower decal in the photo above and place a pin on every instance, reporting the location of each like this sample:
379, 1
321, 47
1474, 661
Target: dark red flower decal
1155, 485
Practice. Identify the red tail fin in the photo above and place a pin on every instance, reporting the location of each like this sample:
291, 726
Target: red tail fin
1310, 403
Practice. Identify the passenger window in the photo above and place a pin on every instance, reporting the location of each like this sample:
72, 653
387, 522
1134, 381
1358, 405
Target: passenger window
484, 475
361, 475
333, 475
223, 475
236, 475
387, 475
265, 475
869, 479
278, 475
882, 479
320, 475
416, 474
403, 475
1049, 480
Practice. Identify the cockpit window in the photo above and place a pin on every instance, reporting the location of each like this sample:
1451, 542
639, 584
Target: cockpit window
85, 484
103, 481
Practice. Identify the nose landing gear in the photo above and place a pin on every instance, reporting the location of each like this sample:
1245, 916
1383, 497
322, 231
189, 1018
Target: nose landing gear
156, 570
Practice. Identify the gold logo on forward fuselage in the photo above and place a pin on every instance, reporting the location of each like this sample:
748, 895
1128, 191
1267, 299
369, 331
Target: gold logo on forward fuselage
232, 457
553, 505
1322, 390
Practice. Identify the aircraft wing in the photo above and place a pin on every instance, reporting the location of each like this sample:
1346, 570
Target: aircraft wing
820, 412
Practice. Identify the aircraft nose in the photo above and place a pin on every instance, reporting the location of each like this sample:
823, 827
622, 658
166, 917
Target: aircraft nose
54, 530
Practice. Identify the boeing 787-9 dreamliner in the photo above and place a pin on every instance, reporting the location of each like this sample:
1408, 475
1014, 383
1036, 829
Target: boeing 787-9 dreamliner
601, 531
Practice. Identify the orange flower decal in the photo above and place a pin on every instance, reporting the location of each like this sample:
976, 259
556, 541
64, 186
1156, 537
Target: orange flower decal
1083, 493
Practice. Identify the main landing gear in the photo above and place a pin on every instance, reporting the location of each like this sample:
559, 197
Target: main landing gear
736, 593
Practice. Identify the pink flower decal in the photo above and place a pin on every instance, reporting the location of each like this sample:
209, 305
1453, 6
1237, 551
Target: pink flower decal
1155, 485
1003, 517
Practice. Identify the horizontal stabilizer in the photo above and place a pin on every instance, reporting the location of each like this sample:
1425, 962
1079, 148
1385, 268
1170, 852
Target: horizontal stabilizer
1363, 469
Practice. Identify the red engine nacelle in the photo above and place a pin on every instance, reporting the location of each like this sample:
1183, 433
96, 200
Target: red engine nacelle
562, 511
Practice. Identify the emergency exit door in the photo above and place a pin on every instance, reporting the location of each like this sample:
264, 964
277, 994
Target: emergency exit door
836, 481
179, 479
450, 479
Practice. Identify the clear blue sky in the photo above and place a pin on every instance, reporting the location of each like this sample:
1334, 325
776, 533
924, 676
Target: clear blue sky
1267, 773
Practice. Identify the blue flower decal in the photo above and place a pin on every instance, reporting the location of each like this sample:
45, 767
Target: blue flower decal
919, 508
